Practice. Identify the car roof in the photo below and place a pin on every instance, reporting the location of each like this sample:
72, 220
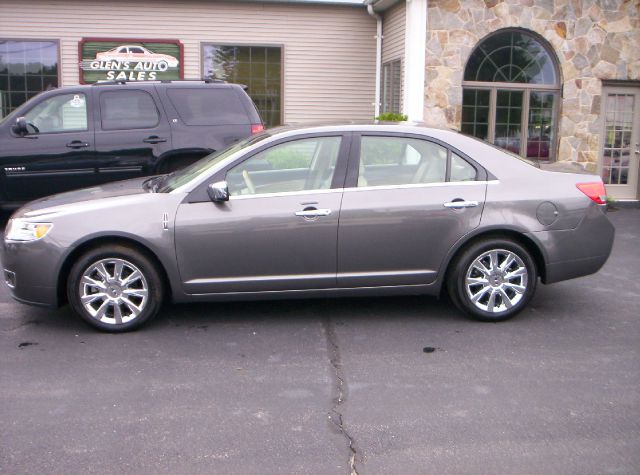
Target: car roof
166, 83
373, 126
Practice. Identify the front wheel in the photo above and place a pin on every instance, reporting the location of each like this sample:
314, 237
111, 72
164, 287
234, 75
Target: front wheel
493, 280
115, 288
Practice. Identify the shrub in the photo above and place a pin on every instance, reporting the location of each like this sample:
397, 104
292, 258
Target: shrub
392, 117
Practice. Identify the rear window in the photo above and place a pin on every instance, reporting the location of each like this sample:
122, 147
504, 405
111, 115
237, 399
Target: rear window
208, 106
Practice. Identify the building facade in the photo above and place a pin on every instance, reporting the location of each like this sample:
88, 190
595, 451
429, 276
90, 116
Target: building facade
553, 80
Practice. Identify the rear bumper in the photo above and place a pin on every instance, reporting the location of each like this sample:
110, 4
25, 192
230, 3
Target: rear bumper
571, 269
577, 252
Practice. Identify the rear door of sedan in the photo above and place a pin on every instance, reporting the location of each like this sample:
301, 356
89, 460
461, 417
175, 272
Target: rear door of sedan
278, 231
407, 200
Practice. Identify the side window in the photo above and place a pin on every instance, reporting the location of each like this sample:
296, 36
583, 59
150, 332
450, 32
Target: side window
208, 106
306, 164
461, 170
386, 161
63, 113
121, 110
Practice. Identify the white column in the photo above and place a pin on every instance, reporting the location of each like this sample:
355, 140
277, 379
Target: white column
415, 45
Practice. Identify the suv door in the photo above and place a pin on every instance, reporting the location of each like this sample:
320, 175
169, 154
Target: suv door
407, 201
57, 153
132, 132
207, 118
277, 231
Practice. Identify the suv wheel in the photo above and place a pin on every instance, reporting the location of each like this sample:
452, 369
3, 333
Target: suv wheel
493, 280
115, 288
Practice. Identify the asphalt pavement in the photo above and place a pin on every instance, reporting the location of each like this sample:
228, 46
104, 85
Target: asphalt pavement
379, 385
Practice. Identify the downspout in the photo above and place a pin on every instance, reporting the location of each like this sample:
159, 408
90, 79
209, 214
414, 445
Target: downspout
378, 56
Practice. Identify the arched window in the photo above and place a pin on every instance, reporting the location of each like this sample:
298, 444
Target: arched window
510, 94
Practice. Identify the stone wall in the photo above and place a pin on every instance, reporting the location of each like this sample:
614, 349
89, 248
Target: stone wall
593, 40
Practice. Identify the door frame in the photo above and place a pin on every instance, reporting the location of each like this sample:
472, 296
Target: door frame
622, 87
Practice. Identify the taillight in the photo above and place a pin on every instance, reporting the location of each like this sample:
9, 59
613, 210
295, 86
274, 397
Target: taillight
255, 128
595, 191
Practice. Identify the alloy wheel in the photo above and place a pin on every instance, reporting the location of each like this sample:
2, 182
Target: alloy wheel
113, 291
496, 281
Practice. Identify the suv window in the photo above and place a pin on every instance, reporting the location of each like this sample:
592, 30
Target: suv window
208, 106
386, 161
306, 164
128, 109
62, 113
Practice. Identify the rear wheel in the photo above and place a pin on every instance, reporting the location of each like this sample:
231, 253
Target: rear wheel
115, 288
492, 280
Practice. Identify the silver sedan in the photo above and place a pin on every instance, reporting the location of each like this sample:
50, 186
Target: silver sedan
352, 210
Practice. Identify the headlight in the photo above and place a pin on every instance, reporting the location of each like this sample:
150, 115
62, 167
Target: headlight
21, 230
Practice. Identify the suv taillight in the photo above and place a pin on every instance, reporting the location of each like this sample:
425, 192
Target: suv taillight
595, 191
255, 128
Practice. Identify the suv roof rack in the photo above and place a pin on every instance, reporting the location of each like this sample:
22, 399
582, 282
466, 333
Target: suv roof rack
160, 81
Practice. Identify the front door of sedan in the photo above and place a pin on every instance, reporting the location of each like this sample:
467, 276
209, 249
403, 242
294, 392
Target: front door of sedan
278, 230
407, 202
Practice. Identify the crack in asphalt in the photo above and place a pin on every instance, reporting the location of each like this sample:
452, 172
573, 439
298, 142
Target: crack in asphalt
335, 416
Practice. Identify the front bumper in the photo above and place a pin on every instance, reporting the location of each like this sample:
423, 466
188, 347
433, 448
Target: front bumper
29, 271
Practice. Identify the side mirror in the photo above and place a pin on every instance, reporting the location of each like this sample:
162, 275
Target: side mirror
218, 192
20, 126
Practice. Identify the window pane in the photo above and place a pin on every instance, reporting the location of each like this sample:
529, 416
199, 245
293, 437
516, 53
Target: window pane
511, 56
617, 141
293, 166
461, 170
508, 134
208, 106
128, 110
23, 65
386, 161
391, 86
257, 67
61, 113
541, 127
475, 112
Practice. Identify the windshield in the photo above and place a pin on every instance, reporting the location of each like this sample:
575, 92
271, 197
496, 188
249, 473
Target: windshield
13, 115
185, 175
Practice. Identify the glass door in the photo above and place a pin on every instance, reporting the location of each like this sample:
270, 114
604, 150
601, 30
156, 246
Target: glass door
620, 150
508, 129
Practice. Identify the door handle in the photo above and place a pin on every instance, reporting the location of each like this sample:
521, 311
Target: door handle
154, 139
77, 144
313, 213
459, 204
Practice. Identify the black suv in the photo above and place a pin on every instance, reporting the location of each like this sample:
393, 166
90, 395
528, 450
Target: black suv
82, 136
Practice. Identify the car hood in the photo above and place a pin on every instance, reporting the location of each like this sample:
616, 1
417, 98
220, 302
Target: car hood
108, 190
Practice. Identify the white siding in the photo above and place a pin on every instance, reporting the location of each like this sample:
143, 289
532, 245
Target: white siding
328, 51
393, 32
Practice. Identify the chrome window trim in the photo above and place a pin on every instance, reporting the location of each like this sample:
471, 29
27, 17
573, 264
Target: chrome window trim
365, 188
321, 191
421, 185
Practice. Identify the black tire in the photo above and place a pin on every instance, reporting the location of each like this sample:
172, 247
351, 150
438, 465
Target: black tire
507, 301
130, 259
